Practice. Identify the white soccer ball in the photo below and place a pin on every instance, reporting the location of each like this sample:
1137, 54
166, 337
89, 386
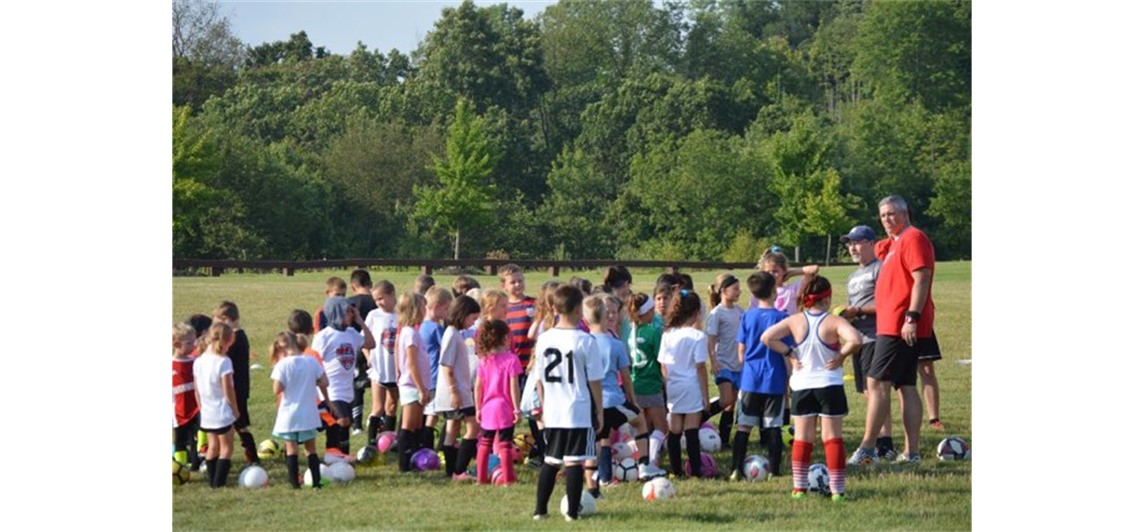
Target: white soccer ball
253, 477
953, 448
341, 473
621, 450
756, 467
709, 440
331, 458
587, 504
819, 479
626, 470
658, 488
308, 479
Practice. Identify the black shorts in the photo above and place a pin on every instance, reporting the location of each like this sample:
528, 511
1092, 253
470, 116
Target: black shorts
893, 362
243, 418
389, 385
928, 348
861, 365
458, 414
221, 430
569, 445
761, 410
616, 416
184, 434
826, 402
341, 410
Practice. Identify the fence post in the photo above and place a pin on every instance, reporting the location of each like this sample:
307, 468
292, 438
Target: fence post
427, 269
216, 271
672, 270
491, 269
289, 272
554, 271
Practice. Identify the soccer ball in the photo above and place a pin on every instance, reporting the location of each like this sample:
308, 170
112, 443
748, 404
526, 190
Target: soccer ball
426, 460
756, 467
819, 479
269, 449
498, 476
708, 469
180, 473
333, 456
658, 488
587, 504
253, 477
708, 425
709, 440
386, 441
524, 442
788, 435
323, 469
341, 473
626, 470
367, 455
953, 448
621, 450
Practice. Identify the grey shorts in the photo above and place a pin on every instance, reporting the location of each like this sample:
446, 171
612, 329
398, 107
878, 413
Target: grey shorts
654, 400
761, 410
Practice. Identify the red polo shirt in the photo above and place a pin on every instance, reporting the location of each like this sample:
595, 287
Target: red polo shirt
902, 256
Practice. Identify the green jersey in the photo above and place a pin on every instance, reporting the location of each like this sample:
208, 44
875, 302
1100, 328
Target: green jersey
643, 344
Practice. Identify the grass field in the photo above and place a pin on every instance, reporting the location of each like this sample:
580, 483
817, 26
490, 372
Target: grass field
933, 496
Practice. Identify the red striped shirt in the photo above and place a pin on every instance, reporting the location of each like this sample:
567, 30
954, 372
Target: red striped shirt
519, 319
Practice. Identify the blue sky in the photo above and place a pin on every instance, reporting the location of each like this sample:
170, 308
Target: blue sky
339, 25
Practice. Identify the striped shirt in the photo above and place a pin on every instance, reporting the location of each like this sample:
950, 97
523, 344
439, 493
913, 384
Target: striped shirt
519, 319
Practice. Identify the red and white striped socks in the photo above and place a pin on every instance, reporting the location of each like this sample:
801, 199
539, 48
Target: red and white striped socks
836, 464
800, 463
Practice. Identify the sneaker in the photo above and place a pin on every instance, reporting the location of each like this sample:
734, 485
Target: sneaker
463, 476
570, 518
862, 456
888, 454
909, 459
357, 431
535, 463
798, 494
649, 471
539, 517
936, 424
734, 476
838, 497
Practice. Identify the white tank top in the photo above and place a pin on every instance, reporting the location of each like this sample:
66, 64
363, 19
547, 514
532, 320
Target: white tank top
813, 354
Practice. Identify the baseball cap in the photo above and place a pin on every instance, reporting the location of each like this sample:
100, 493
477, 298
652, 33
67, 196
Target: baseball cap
860, 232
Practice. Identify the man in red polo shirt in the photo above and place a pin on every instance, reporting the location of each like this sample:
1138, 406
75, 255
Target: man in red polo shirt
904, 328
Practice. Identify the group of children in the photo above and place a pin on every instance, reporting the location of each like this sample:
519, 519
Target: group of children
576, 362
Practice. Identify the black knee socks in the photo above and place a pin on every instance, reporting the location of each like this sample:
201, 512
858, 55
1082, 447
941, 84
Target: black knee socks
725, 422
374, 426
222, 469
315, 470
292, 471
426, 437
692, 436
467, 452
574, 485
545, 483
404, 450
538, 437
249, 447
391, 423
739, 450
644, 459
675, 453
212, 466
450, 453
774, 440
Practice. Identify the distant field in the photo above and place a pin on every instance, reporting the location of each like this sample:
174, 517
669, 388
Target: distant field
933, 496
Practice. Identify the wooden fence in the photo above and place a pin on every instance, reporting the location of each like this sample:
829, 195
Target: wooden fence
217, 267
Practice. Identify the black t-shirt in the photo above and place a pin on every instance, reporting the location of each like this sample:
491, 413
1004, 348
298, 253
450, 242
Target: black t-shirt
239, 354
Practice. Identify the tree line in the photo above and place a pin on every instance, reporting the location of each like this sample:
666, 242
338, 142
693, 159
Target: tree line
697, 130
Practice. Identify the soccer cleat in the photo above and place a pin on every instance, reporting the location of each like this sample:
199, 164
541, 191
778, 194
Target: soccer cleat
909, 459
463, 476
539, 517
649, 471
734, 475
862, 456
798, 494
356, 431
888, 454
936, 424
570, 518
838, 497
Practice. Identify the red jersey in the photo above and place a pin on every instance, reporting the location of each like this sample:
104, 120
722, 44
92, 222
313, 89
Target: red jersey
519, 318
900, 257
183, 392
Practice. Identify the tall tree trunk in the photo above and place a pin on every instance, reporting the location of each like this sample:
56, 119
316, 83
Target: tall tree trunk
457, 245
828, 250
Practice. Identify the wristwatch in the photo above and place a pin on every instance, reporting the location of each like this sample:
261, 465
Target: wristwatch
912, 317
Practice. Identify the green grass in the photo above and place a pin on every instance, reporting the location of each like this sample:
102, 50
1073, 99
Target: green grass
933, 496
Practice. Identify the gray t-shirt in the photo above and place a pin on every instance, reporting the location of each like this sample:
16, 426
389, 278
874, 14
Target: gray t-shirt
454, 354
860, 293
724, 323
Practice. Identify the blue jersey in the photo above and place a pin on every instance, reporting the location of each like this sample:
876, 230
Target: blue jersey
615, 359
764, 371
431, 333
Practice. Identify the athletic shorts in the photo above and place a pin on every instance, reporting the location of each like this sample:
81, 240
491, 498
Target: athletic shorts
861, 363
298, 436
761, 410
893, 362
431, 406
569, 445
616, 416
242, 417
458, 414
928, 348
726, 375
341, 410
220, 430
389, 385
654, 400
410, 396
825, 402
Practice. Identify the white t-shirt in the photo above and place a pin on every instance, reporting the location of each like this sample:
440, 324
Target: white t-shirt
383, 325
567, 360
813, 354
409, 337
298, 410
339, 352
454, 355
679, 351
724, 323
214, 409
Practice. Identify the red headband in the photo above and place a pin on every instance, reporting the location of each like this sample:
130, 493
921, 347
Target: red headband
811, 299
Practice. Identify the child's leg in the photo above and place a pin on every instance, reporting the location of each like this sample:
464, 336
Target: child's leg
391, 400
739, 448
212, 456
691, 433
835, 453
574, 486
377, 404
427, 431
802, 450
484, 449
292, 464
226, 450
314, 464
545, 483
408, 436
537, 437
727, 395
657, 423
504, 450
448, 447
358, 408
639, 428
604, 451
674, 452
468, 445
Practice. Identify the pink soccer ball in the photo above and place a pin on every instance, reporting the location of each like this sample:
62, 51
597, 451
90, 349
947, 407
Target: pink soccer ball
708, 468
386, 441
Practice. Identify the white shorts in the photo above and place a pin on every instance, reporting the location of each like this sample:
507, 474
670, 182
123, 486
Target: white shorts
382, 369
684, 398
410, 396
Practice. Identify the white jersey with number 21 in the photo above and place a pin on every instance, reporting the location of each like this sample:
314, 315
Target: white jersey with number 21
566, 360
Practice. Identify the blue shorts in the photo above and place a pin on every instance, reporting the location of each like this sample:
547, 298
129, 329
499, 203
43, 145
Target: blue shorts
726, 375
300, 436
